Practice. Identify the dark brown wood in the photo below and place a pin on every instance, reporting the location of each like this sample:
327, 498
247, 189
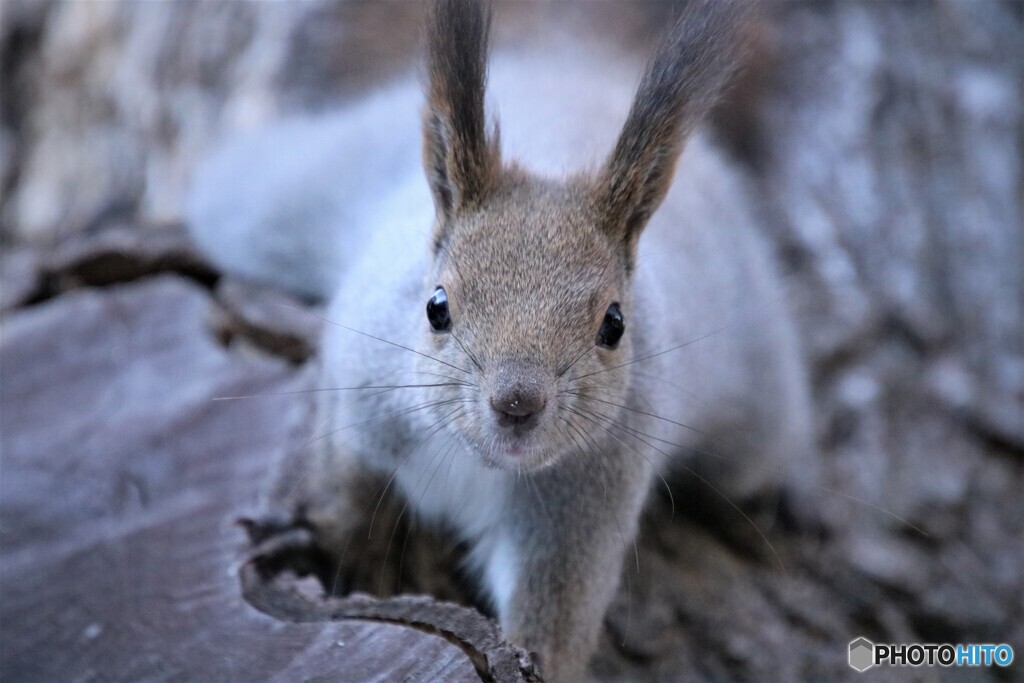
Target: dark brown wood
281, 596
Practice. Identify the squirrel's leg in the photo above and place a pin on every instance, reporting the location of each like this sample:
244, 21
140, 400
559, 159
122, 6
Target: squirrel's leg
337, 499
555, 562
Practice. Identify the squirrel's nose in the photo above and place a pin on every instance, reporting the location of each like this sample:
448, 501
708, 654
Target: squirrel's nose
518, 394
517, 402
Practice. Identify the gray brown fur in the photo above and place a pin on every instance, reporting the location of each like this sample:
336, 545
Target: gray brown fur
457, 157
530, 264
681, 84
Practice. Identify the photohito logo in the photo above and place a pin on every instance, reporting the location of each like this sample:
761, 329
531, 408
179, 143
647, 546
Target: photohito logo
864, 654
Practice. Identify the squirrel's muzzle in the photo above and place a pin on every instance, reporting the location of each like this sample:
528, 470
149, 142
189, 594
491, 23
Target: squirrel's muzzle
519, 395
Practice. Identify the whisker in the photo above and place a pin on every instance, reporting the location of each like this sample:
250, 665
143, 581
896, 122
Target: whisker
334, 416
575, 361
609, 264
638, 411
691, 449
448, 474
615, 388
675, 385
466, 351
380, 339
668, 488
565, 437
391, 416
433, 429
778, 558
880, 509
437, 374
456, 270
450, 447
401, 559
649, 356
728, 500
474, 420
440, 460
535, 492
314, 391
622, 536
387, 551
618, 522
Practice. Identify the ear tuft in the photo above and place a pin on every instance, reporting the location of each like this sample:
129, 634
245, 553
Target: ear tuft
682, 82
458, 158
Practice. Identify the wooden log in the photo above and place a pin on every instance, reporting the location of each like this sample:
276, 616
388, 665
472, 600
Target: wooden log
121, 478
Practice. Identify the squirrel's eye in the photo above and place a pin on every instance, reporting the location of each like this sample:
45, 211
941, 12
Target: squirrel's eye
612, 327
437, 311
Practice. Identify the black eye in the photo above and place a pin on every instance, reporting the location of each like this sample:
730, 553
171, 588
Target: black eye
437, 311
612, 327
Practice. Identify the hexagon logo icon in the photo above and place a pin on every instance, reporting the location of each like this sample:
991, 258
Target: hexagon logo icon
862, 654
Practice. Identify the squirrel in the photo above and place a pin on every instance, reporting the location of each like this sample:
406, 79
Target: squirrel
556, 342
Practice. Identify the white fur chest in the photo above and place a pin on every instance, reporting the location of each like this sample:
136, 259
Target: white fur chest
450, 486
447, 484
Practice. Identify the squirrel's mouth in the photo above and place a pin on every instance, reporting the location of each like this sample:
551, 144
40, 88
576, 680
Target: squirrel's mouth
516, 449
513, 453
518, 452
521, 453
519, 447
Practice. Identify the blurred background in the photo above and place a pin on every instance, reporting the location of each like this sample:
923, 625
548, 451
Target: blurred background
885, 141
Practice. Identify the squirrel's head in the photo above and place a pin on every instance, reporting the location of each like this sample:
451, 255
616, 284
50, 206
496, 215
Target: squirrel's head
530, 290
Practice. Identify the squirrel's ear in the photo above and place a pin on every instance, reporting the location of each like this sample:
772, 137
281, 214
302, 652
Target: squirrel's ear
682, 82
459, 160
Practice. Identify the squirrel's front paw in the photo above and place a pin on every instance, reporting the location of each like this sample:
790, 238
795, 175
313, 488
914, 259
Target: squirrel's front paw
264, 526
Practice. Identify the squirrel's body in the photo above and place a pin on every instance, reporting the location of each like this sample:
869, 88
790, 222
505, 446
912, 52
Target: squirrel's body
707, 374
